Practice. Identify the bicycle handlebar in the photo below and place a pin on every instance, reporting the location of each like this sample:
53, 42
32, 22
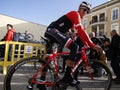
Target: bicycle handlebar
85, 47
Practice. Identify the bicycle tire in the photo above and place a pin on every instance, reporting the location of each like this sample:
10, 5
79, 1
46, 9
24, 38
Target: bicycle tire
27, 37
100, 82
19, 75
30, 37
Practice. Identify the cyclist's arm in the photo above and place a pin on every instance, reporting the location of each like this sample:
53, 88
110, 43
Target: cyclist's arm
76, 20
84, 36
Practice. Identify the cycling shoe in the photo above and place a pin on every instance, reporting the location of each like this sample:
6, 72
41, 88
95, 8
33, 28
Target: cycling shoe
71, 82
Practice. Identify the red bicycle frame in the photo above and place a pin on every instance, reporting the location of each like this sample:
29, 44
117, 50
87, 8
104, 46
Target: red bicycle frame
52, 58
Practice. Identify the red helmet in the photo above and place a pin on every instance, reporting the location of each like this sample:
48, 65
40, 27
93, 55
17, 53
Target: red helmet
86, 5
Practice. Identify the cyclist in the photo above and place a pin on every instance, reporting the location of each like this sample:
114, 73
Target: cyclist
56, 33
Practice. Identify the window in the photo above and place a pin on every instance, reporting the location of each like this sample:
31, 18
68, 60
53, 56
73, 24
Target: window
115, 14
102, 17
115, 26
94, 19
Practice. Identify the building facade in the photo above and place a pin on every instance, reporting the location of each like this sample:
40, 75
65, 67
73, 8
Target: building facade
103, 18
21, 26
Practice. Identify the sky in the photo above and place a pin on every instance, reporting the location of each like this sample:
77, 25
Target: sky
41, 11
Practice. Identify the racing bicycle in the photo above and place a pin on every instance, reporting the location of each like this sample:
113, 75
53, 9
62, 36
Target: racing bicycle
26, 73
26, 37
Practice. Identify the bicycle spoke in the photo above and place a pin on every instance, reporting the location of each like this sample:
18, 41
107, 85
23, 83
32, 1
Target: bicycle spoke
19, 76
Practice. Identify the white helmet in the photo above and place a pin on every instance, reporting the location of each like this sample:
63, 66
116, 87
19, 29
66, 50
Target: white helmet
86, 5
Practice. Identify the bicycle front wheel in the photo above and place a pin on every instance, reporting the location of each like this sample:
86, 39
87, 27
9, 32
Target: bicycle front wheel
102, 77
20, 74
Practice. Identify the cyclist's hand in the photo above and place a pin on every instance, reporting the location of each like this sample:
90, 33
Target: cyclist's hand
98, 48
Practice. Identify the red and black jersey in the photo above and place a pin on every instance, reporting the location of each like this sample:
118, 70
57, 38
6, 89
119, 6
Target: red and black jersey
64, 23
70, 20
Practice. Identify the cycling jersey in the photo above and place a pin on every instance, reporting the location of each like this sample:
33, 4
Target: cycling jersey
70, 20
57, 29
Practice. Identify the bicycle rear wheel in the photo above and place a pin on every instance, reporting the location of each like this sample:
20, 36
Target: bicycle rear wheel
19, 75
102, 79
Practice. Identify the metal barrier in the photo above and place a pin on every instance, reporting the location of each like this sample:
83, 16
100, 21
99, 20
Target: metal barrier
15, 51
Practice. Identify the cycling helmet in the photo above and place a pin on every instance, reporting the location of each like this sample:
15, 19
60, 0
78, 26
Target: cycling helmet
86, 5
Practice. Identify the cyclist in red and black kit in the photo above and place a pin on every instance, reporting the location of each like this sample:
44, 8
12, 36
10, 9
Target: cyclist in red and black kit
56, 33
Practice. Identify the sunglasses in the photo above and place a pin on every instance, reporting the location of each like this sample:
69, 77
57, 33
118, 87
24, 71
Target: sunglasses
85, 10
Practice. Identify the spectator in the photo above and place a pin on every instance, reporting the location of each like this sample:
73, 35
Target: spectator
106, 47
96, 40
9, 37
10, 33
93, 54
97, 56
115, 55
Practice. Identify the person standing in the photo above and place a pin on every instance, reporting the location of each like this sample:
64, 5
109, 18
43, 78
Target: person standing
93, 53
115, 55
10, 33
97, 56
106, 47
9, 37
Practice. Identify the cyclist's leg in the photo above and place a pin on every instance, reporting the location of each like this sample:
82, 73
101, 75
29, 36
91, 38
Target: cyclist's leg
68, 78
80, 44
55, 36
43, 75
64, 63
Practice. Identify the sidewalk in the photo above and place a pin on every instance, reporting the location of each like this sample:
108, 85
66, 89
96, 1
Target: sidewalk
114, 86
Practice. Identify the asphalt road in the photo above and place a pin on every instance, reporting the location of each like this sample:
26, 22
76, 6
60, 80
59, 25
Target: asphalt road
114, 86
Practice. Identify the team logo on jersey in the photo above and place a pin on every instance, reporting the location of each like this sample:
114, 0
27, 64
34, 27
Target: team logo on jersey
61, 35
56, 31
62, 24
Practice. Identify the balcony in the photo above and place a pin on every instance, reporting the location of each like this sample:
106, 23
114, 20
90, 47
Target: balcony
94, 21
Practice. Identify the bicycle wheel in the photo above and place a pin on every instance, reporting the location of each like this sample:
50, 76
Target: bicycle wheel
102, 77
29, 37
19, 75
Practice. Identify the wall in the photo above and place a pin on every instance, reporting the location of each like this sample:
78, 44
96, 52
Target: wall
20, 26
